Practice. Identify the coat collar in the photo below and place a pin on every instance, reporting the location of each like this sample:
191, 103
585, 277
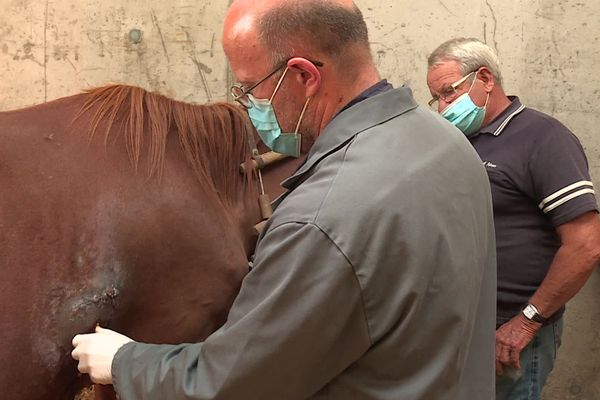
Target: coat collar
346, 125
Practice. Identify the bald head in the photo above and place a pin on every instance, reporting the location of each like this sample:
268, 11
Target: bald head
314, 29
323, 45
241, 19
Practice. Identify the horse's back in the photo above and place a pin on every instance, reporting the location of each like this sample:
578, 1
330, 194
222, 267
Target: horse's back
85, 240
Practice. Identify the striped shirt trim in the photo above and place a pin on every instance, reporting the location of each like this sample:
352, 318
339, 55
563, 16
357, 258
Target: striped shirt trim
507, 120
558, 198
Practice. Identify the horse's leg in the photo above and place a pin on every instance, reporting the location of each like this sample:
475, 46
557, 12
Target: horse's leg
104, 392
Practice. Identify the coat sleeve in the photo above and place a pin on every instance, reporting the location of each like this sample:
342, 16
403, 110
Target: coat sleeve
297, 322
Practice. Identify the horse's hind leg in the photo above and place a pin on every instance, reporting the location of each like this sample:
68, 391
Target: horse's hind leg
104, 392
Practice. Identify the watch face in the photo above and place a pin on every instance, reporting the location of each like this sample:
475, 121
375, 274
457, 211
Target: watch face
529, 312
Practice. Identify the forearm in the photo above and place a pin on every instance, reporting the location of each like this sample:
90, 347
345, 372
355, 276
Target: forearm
158, 372
569, 271
298, 313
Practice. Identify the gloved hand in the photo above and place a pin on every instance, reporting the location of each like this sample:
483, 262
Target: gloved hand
95, 353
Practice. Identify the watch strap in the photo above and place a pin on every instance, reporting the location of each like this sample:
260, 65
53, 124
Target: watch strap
531, 313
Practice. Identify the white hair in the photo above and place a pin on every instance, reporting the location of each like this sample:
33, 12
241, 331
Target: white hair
470, 53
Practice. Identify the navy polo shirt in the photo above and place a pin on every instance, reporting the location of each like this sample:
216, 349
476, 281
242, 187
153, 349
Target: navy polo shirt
380, 87
539, 179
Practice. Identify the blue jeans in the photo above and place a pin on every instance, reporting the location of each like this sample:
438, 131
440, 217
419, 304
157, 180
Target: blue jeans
537, 360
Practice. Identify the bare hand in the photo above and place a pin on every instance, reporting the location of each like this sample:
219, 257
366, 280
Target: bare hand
511, 338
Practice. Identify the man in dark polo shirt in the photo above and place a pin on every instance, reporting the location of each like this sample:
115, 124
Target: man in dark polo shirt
545, 212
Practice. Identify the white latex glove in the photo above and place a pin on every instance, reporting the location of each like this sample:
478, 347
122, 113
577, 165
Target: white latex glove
95, 353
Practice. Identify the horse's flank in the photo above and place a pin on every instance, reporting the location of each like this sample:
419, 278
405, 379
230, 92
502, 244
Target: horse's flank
85, 239
212, 137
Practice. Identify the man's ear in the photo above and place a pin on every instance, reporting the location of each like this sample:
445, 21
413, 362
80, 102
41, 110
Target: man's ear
486, 76
307, 74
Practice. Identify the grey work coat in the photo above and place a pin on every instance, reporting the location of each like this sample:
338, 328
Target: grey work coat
375, 277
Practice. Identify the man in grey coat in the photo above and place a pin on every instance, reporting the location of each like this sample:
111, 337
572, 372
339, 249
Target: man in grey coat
375, 278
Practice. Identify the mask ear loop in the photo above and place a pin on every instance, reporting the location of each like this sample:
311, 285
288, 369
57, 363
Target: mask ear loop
486, 100
278, 84
263, 199
473, 83
302, 115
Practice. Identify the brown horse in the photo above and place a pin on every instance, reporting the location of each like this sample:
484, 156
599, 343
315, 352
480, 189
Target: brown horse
119, 207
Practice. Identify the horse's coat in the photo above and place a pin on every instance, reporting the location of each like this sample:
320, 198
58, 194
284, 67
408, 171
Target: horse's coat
157, 254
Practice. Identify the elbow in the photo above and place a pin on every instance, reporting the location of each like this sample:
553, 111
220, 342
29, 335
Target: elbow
585, 255
593, 247
592, 250
595, 259
582, 236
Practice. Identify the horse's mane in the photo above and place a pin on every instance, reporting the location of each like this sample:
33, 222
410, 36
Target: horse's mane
212, 137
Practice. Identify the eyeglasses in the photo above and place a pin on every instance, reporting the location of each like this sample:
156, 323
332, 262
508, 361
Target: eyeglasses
449, 93
240, 94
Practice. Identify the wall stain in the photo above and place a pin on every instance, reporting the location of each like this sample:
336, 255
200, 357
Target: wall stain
495, 26
5, 31
61, 53
162, 39
96, 37
26, 53
447, 9
203, 69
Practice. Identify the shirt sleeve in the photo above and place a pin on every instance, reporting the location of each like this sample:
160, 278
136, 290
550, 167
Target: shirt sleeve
559, 173
297, 322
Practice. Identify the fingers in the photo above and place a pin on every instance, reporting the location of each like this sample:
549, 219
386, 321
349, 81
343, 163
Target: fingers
82, 366
499, 347
77, 353
499, 368
505, 355
508, 356
507, 352
80, 343
81, 354
515, 358
502, 352
76, 340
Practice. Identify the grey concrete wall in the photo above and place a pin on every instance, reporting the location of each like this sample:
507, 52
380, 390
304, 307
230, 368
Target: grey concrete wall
548, 48
54, 48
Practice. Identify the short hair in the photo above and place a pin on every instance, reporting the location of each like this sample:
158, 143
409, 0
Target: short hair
323, 26
470, 53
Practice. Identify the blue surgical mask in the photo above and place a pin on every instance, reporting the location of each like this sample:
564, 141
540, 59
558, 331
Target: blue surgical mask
464, 114
264, 120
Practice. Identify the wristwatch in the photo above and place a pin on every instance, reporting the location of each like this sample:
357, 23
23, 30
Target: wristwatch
532, 314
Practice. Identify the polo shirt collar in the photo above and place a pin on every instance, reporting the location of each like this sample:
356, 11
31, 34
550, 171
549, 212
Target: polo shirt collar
380, 87
499, 123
